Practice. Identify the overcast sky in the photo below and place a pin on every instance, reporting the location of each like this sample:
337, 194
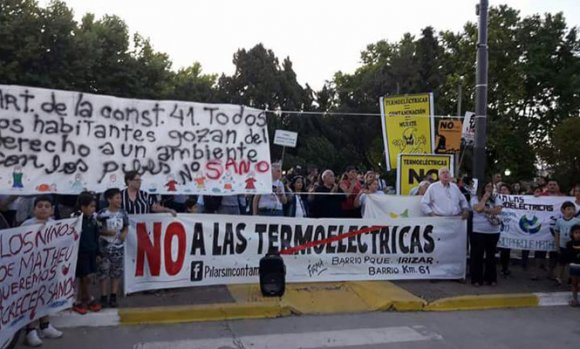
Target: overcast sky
320, 36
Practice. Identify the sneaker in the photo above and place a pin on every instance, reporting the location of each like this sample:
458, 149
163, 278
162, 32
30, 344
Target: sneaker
94, 306
50, 332
32, 339
80, 308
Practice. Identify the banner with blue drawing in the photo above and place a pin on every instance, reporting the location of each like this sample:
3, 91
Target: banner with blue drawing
527, 221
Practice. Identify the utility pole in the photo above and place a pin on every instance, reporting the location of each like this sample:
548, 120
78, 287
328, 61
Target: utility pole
479, 153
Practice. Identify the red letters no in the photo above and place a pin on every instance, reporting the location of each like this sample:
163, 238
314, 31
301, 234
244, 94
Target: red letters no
173, 267
149, 249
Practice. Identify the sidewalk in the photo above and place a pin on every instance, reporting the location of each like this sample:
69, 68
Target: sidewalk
212, 303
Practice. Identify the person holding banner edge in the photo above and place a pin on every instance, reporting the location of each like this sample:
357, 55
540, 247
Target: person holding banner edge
486, 229
443, 198
271, 204
43, 210
136, 201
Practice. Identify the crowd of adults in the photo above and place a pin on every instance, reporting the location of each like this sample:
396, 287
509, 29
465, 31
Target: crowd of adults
322, 194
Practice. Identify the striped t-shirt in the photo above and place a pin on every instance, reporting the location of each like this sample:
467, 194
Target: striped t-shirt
141, 205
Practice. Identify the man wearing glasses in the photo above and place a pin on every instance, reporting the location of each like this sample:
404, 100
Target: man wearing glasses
136, 201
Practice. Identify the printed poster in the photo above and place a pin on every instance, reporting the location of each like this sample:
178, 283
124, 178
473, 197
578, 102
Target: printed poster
408, 126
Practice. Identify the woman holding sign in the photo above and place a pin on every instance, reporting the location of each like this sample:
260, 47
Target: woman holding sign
486, 227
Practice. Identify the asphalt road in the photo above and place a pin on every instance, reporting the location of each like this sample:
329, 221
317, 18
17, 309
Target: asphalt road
553, 327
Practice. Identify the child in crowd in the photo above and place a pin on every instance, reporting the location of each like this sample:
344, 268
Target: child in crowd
191, 205
562, 236
88, 250
42, 212
114, 223
573, 257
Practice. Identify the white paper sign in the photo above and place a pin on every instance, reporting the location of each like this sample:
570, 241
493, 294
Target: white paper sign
285, 138
63, 142
468, 130
197, 250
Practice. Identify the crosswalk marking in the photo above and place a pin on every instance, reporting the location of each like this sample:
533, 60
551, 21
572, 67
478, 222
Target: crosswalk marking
323, 339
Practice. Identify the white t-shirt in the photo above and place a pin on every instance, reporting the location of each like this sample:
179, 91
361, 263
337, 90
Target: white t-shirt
563, 227
299, 207
480, 222
270, 201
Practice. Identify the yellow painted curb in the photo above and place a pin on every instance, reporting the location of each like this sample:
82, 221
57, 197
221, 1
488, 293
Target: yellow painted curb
323, 298
212, 312
482, 302
385, 295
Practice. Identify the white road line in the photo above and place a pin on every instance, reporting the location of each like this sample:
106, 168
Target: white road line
325, 339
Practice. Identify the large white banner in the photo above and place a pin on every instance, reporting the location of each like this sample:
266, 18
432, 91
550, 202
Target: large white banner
195, 250
62, 142
527, 221
37, 272
390, 206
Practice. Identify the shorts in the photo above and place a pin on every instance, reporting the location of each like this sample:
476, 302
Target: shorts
574, 269
111, 263
86, 264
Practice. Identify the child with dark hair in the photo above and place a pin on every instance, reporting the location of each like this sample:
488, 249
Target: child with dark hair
572, 254
114, 224
191, 205
88, 251
42, 211
562, 231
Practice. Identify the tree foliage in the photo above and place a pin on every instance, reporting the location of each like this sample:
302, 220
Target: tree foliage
534, 82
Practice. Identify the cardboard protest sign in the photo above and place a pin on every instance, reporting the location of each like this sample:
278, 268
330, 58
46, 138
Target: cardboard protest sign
407, 125
63, 142
413, 168
197, 250
37, 272
448, 136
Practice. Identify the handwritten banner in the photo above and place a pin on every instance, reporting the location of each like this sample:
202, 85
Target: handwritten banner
408, 125
37, 272
197, 250
527, 221
63, 142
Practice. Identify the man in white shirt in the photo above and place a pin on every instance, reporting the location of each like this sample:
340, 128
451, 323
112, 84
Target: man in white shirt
444, 198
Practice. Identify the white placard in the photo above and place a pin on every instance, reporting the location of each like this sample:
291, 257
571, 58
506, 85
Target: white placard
468, 129
286, 138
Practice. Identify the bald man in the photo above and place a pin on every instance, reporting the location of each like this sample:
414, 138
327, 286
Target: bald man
326, 203
443, 198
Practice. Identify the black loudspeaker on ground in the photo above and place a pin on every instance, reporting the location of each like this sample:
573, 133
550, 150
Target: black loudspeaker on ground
272, 276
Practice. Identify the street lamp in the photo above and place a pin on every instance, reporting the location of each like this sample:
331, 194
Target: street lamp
507, 172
